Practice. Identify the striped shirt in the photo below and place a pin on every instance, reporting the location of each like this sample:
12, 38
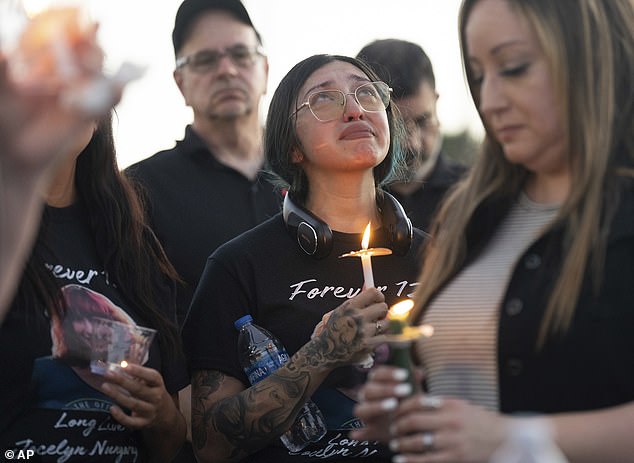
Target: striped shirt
460, 359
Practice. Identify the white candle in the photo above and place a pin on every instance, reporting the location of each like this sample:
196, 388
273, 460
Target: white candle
366, 262
366, 259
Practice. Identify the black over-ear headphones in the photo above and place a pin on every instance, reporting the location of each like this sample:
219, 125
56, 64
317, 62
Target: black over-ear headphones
314, 235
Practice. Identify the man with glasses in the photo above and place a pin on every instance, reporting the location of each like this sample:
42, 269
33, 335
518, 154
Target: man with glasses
408, 70
209, 188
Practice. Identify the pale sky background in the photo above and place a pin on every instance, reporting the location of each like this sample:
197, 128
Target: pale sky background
152, 114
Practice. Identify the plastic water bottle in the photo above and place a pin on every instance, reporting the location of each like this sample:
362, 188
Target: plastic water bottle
261, 354
529, 441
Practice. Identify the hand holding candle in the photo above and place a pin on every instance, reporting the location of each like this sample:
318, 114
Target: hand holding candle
401, 337
116, 344
366, 257
57, 54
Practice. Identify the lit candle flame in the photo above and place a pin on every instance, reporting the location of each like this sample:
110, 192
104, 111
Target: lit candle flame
398, 315
366, 254
402, 337
401, 310
366, 237
124, 364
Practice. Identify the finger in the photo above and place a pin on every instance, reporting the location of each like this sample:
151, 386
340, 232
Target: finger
368, 297
364, 317
133, 386
126, 400
371, 432
131, 421
422, 403
385, 382
372, 410
409, 422
135, 377
423, 447
149, 375
382, 399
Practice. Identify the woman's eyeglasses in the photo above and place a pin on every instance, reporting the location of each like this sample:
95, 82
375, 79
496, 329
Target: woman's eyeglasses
208, 60
328, 105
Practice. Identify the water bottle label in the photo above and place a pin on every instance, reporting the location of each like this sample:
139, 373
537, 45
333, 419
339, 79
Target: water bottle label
282, 357
266, 364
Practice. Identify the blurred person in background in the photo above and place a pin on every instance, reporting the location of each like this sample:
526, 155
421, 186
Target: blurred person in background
209, 188
408, 70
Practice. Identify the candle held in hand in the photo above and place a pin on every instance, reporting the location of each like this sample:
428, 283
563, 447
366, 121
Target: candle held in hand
400, 350
366, 260
398, 314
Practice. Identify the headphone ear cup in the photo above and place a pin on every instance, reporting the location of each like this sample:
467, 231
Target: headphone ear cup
307, 238
397, 223
313, 235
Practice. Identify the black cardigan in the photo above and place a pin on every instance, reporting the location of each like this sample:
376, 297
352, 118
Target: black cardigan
592, 365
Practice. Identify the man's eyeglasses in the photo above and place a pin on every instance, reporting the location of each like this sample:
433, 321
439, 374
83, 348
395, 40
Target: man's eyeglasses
424, 122
209, 60
328, 105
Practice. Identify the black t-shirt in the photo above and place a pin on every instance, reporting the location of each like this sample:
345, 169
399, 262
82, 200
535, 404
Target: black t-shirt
421, 204
264, 272
197, 203
49, 399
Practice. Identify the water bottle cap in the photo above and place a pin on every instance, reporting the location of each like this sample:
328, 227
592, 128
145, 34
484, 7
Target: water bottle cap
240, 322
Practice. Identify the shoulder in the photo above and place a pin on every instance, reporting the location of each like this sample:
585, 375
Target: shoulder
449, 169
177, 156
154, 163
267, 237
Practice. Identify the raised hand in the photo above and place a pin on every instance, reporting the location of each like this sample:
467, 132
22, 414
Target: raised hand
143, 401
349, 333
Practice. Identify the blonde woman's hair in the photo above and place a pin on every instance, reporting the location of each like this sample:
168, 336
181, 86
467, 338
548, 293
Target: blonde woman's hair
589, 45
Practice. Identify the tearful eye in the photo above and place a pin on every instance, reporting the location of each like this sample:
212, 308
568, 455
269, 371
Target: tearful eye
324, 97
367, 92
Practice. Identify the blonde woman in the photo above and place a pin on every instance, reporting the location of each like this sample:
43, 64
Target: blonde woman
528, 277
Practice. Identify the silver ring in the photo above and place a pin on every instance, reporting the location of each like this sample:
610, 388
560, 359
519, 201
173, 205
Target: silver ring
428, 441
378, 328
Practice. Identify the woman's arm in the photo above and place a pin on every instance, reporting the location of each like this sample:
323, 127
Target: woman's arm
230, 422
597, 436
460, 432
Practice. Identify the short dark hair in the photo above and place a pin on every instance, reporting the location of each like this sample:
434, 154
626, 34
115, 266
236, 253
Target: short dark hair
281, 137
403, 65
190, 10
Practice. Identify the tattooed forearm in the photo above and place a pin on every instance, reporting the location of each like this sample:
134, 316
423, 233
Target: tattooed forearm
204, 384
248, 421
207, 382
